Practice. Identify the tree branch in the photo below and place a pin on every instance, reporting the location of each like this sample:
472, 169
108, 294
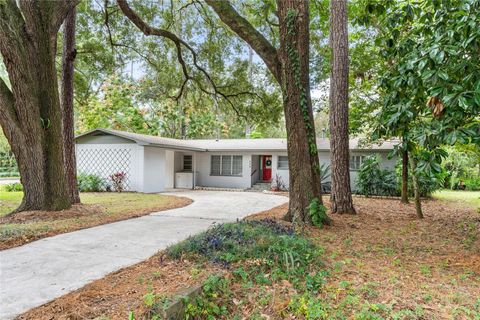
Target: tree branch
249, 34
179, 45
7, 109
60, 12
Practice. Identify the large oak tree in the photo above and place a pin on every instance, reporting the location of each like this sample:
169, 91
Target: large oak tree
31, 113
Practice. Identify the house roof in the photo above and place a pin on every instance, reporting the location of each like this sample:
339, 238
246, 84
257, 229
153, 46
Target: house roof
269, 144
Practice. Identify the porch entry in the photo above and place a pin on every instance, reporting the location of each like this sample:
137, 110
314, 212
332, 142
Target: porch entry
266, 165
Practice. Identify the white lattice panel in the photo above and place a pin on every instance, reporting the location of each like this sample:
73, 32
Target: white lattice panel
105, 162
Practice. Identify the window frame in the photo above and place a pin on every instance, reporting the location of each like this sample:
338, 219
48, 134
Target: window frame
353, 161
230, 172
282, 161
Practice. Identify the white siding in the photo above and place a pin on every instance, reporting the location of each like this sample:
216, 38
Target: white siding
169, 169
282, 173
255, 169
154, 170
204, 178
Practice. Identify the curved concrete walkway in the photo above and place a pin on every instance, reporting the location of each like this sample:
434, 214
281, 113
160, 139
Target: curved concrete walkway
41, 271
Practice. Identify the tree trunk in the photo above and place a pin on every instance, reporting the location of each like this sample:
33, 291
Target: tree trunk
416, 190
304, 184
31, 116
341, 196
404, 176
68, 58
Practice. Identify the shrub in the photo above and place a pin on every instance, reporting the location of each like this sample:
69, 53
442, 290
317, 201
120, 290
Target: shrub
278, 184
266, 242
90, 183
372, 180
472, 184
261, 253
318, 213
13, 187
429, 184
118, 180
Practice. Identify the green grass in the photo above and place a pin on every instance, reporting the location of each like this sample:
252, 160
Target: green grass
112, 202
464, 197
110, 207
9, 201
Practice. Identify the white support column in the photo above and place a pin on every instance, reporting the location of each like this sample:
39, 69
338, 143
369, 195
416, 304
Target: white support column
194, 169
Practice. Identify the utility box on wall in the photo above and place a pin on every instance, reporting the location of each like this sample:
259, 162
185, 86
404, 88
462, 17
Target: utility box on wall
184, 180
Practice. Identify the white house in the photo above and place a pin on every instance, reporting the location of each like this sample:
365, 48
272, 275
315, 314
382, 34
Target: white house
154, 164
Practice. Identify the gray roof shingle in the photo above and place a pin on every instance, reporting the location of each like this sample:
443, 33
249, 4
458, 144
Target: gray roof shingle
264, 144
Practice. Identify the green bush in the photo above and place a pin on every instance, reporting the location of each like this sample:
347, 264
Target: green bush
374, 181
13, 187
472, 184
260, 253
318, 213
90, 183
429, 184
268, 241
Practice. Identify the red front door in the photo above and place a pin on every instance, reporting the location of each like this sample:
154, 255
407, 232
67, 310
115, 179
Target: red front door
267, 168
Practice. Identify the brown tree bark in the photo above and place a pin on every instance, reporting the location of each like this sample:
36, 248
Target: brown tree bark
304, 166
404, 198
416, 188
68, 58
341, 196
290, 68
31, 116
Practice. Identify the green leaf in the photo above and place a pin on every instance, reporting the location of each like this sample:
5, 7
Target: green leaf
436, 91
477, 99
442, 74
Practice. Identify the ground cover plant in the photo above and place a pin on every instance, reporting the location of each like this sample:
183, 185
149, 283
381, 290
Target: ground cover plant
96, 209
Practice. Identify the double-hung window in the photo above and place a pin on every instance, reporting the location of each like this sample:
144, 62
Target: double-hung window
356, 162
226, 165
282, 163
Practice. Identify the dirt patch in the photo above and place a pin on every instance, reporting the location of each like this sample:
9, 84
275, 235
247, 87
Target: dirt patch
122, 292
76, 211
29, 226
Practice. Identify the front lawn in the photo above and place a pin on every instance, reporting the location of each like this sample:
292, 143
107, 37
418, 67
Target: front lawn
96, 209
383, 263
465, 197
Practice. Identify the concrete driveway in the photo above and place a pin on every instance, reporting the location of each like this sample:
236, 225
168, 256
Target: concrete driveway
41, 271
